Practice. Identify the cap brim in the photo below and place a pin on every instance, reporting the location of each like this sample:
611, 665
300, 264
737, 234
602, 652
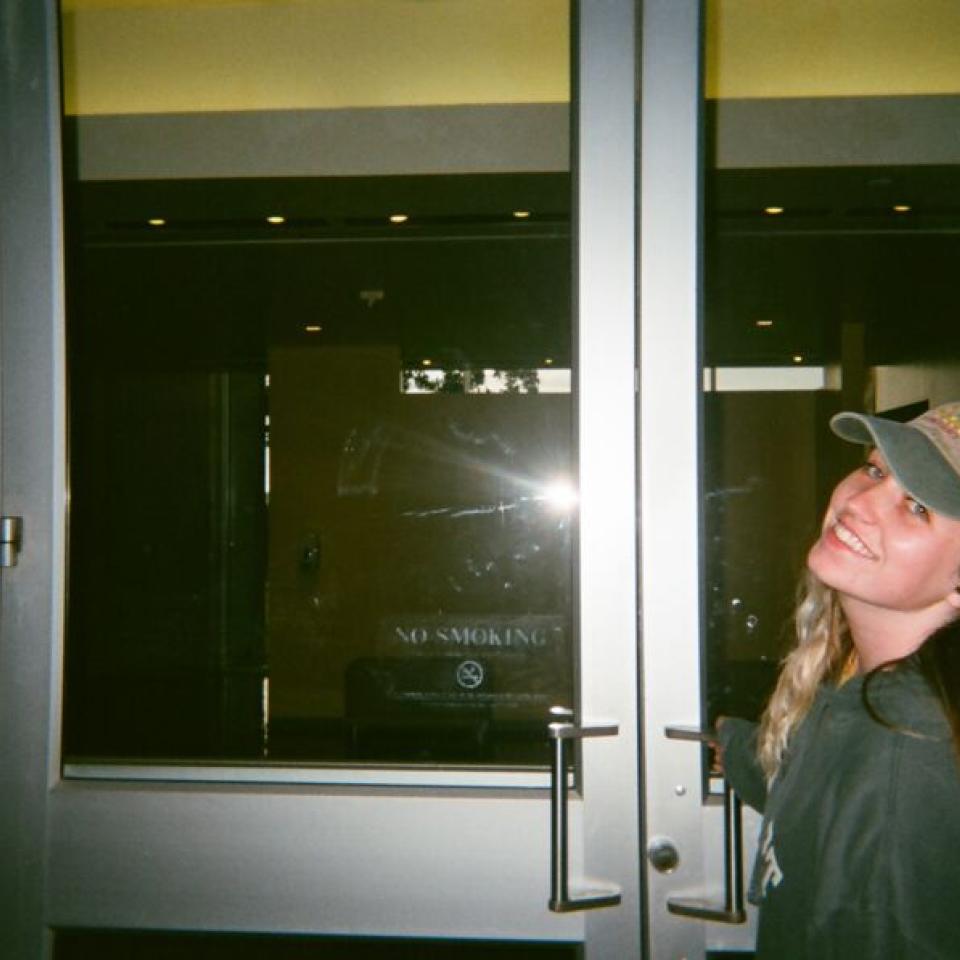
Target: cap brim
913, 459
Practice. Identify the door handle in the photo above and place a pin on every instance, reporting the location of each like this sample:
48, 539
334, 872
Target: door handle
732, 909
562, 732
11, 540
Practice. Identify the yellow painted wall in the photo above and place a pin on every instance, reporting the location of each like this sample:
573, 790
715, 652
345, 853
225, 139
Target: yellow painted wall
169, 56
832, 48
163, 56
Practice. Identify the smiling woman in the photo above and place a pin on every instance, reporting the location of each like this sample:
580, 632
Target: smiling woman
891, 538
856, 762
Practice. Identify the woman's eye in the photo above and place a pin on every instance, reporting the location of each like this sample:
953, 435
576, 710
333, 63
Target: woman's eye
873, 471
917, 509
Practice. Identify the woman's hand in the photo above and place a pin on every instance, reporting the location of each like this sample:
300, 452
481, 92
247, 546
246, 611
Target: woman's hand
716, 765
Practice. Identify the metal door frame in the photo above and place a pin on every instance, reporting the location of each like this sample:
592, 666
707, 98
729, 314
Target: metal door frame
670, 194
50, 827
33, 474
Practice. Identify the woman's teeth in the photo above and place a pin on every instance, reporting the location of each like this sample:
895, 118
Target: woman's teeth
850, 539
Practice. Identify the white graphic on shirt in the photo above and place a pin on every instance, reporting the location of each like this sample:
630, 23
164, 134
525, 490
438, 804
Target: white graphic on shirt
770, 873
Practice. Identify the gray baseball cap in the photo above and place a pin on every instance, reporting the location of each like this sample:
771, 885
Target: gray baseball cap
923, 455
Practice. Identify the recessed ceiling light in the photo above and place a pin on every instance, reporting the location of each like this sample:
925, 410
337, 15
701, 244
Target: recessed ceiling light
797, 358
763, 323
902, 208
521, 214
427, 362
399, 217
548, 361
313, 328
276, 219
773, 211
157, 222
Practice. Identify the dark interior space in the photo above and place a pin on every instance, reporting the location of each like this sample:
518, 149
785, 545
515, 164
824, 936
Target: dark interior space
174, 337
839, 252
174, 328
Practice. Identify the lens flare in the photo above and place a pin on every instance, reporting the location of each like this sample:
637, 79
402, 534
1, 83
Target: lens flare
560, 495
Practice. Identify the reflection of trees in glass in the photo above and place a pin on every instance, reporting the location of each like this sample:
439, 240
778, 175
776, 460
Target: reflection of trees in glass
418, 380
519, 381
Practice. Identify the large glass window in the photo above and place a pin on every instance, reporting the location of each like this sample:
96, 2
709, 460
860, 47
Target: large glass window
321, 455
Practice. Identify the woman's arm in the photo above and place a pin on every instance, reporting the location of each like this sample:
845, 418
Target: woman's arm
738, 756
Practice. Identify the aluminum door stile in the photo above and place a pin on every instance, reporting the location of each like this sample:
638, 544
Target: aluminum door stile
349, 859
31, 446
606, 273
670, 204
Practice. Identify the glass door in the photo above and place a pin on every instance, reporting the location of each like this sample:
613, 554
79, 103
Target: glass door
351, 495
799, 225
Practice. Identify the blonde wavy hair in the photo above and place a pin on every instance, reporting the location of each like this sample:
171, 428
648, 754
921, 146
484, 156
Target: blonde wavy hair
824, 654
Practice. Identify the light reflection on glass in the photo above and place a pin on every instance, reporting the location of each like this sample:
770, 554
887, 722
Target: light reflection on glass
561, 495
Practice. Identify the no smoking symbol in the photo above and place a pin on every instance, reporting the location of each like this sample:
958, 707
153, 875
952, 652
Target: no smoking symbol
469, 674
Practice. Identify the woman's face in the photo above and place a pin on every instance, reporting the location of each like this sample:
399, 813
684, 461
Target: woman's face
880, 547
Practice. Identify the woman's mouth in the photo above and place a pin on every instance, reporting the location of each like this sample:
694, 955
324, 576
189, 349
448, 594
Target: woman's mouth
850, 540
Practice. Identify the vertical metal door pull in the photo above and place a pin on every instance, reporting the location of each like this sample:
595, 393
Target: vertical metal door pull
732, 909
561, 899
11, 540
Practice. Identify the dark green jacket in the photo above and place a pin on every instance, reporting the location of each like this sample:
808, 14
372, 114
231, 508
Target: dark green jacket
859, 854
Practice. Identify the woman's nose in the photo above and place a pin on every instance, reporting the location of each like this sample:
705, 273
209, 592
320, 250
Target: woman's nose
871, 502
